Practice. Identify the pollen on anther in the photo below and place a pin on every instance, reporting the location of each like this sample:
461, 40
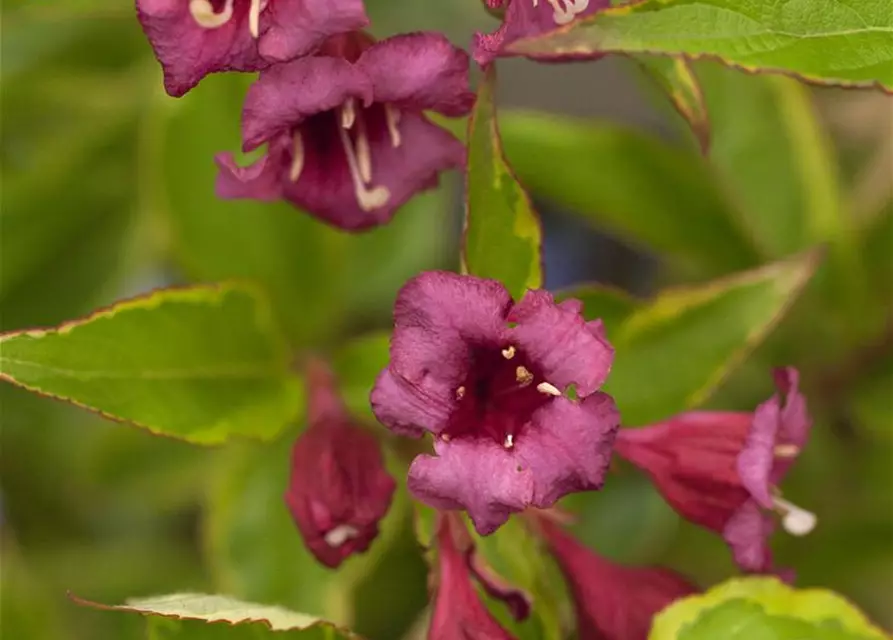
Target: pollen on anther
508, 353
509, 441
523, 376
545, 387
786, 450
460, 393
445, 437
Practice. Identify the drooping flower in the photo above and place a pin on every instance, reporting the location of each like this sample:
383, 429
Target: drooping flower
193, 38
721, 469
613, 602
528, 18
488, 377
339, 488
458, 613
347, 140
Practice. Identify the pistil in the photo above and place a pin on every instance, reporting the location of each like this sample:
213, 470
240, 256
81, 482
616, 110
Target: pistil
795, 520
359, 159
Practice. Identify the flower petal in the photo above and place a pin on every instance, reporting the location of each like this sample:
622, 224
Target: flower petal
419, 72
566, 348
286, 94
757, 457
188, 52
397, 405
747, 533
258, 181
438, 317
297, 27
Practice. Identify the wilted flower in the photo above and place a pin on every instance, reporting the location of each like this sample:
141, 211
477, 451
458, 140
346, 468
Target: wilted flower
721, 469
347, 140
193, 38
528, 18
339, 488
488, 378
458, 613
613, 602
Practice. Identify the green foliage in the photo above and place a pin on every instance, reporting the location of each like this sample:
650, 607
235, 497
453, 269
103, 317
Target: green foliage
687, 340
657, 196
502, 231
819, 40
674, 75
763, 608
202, 364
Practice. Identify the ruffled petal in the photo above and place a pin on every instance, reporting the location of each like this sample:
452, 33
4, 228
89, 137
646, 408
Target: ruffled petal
258, 181
758, 455
287, 94
419, 72
438, 318
297, 27
398, 406
557, 338
747, 533
188, 52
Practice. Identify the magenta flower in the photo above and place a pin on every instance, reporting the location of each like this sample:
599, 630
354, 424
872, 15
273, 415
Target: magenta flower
721, 469
613, 602
528, 18
488, 378
193, 38
339, 488
458, 613
347, 140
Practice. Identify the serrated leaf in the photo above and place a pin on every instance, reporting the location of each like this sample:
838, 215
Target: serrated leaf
201, 364
826, 41
662, 198
502, 231
764, 608
197, 615
674, 351
674, 76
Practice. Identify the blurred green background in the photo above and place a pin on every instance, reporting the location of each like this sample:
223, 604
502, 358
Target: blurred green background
107, 192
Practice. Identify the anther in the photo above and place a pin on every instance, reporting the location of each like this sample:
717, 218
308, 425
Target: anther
460, 393
445, 437
786, 450
523, 376
508, 353
796, 521
392, 115
566, 14
204, 15
509, 441
254, 17
297, 157
340, 534
545, 387
348, 113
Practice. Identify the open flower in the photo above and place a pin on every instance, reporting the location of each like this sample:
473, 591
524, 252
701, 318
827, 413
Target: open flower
613, 602
339, 488
458, 613
193, 38
528, 18
488, 377
347, 140
721, 469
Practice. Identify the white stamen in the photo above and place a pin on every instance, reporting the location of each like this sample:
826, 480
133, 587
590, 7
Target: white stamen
508, 353
392, 115
340, 534
509, 441
368, 199
204, 15
254, 17
364, 154
796, 521
297, 158
460, 393
523, 376
566, 13
786, 450
545, 387
348, 113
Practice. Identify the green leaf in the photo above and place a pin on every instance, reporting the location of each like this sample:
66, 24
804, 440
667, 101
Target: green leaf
764, 608
197, 615
518, 556
357, 364
826, 41
674, 76
662, 198
611, 306
502, 231
674, 351
201, 364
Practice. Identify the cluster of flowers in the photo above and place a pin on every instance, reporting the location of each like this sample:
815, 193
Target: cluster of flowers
508, 389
